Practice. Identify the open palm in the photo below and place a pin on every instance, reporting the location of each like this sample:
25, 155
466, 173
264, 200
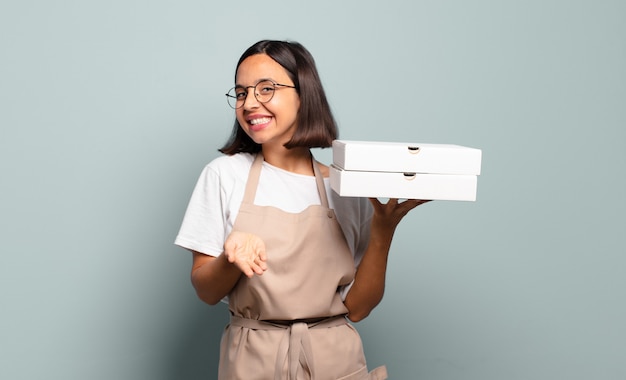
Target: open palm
247, 252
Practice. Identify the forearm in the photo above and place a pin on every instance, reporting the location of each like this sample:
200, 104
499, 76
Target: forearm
213, 277
369, 283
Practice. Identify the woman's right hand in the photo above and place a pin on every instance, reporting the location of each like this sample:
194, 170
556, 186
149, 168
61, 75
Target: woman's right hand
247, 252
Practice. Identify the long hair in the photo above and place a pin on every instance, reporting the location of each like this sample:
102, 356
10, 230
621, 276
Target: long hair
316, 126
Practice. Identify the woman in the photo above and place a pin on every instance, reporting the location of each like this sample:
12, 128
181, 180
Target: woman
293, 260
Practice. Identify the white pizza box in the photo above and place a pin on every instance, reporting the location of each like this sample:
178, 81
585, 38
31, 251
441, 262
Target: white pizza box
376, 156
452, 187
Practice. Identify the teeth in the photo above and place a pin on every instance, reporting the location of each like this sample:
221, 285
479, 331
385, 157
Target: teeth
260, 120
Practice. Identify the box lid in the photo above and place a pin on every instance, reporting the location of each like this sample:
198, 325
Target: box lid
378, 156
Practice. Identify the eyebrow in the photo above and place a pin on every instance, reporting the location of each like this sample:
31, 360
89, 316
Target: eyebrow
238, 85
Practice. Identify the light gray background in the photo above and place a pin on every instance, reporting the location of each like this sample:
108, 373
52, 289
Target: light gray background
110, 109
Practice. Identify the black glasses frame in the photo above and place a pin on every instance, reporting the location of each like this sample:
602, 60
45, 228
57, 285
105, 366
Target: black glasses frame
256, 95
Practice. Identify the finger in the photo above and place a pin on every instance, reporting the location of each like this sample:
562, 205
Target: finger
260, 261
412, 203
259, 270
422, 201
263, 257
261, 252
258, 267
376, 203
409, 204
403, 208
230, 252
230, 249
247, 271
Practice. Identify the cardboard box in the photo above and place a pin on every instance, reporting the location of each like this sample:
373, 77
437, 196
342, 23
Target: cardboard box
405, 170
406, 157
452, 187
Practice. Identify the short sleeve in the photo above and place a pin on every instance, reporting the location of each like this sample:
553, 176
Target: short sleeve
203, 226
354, 216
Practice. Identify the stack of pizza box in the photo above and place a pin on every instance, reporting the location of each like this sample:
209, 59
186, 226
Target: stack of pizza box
405, 170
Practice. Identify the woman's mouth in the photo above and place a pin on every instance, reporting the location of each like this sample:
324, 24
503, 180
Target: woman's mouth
259, 123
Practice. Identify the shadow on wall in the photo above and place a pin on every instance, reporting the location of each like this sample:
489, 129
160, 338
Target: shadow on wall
195, 355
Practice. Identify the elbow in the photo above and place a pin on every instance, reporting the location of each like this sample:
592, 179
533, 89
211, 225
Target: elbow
205, 295
358, 310
208, 298
357, 316
211, 301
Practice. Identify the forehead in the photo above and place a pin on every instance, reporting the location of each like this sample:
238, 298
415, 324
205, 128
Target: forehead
260, 66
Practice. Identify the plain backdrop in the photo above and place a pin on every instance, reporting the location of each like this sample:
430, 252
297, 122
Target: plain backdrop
110, 109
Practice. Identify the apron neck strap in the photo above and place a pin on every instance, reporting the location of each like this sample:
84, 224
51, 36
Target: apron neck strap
319, 179
255, 173
253, 179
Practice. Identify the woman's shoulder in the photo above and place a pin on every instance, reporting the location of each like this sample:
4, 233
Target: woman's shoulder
324, 169
230, 163
227, 169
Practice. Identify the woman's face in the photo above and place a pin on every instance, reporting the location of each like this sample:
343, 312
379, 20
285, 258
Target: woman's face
274, 122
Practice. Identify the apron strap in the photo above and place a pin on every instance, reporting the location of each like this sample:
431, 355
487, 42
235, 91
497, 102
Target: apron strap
321, 189
295, 349
253, 179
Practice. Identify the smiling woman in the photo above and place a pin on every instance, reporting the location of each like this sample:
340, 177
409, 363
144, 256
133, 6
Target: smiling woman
316, 124
272, 121
290, 295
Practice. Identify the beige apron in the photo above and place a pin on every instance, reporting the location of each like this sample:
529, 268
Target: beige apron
289, 323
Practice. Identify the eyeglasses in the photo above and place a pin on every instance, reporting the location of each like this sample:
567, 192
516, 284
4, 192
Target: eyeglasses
263, 92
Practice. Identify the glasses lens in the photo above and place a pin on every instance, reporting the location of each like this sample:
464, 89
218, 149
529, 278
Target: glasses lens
264, 91
235, 97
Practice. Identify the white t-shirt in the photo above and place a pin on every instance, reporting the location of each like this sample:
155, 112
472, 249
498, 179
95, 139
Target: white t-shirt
215, 202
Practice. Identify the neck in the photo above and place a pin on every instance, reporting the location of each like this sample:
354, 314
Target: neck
296, 160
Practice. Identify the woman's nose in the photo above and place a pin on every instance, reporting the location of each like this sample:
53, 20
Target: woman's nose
250, 101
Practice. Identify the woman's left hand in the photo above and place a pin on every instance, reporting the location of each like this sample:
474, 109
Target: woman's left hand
391, 213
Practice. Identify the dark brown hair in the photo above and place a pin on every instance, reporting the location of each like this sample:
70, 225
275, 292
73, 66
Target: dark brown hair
316, 125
